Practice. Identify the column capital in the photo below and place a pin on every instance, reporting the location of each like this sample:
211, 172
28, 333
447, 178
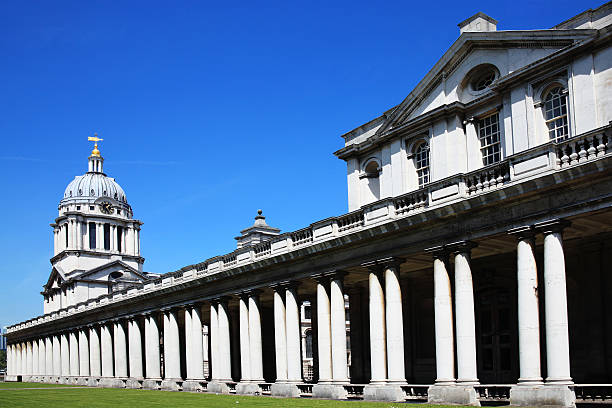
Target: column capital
440, 252
461, 246
379, 264
524, 232
281, 286
552, 226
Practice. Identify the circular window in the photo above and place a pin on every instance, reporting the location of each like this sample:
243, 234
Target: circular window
483, 81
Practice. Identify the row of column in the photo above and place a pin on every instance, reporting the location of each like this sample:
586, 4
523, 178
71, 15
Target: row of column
74, 234
463, 325
79, 353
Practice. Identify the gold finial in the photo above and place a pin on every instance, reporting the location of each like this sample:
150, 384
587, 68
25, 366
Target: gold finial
96, 139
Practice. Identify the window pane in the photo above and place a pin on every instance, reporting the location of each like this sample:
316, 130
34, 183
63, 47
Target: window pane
490, 139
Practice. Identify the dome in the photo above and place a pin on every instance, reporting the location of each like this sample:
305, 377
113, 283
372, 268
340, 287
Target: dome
94, 185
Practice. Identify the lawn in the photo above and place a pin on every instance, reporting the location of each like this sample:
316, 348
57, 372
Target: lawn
116, 398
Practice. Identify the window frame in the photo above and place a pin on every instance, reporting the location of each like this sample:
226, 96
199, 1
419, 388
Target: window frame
564, 98
418, 169
484, 148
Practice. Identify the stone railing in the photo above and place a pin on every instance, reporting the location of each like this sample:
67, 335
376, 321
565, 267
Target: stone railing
493, 392
593, 393
535, 162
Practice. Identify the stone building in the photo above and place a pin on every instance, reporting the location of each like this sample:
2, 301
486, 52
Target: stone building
475, 255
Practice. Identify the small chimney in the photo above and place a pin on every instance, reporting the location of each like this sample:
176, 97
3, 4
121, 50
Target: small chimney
478, 22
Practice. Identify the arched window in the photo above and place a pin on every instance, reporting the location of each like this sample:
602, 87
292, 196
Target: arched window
421, 163
371, 174
555, 113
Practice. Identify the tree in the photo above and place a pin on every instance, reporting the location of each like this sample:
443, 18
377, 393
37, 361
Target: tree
2, 359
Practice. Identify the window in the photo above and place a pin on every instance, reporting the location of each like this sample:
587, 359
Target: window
119, 235
66, 234
555, 113
307, 312
92, 235
309, 344
107, 237
489, 135
421, 162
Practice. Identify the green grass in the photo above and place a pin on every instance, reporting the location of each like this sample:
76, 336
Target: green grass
116, 398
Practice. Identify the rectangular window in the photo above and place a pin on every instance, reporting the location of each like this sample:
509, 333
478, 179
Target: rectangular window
307, 312
92, 235
107, 237
119, 235
490, 139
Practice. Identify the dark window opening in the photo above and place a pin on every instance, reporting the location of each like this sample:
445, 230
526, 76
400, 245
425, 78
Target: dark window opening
107, 237
92, 235
309, 344
66, 236
307, 312
119, 235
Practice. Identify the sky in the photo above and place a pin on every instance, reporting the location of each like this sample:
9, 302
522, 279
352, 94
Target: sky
209, 111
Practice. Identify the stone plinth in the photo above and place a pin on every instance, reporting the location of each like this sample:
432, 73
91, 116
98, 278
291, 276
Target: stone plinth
285, 390
542, 396
171, 384
192, 386
453, 394
329, 391
247, 388
110, 382
134, 383
383, 393
218, 387
152, 384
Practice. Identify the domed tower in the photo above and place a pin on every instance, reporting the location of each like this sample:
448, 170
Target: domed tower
96, 240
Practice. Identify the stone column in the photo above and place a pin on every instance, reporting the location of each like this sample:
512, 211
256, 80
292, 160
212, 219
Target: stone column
95, 361
188, 330
65, 355
214, 341
324, 330
464, 307
42, 357
338, 329
255, 338
106, 351
555, 304
197, 338
120, 350
378, 344
172, 356
294, 357
18, 359
280, 335
74, 354
224, 345
443, 311
245, 350
135, 350
394, 321
35, 358
48, 356
83, 353
528, 312
152, 356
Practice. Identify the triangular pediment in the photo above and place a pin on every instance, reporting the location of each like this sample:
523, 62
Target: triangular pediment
507, 51
105, 272
56, 278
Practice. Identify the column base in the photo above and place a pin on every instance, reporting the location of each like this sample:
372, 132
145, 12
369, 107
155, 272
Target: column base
217, 387
10, 378
329, 391
111, 382
82, 381
134, 383
193, 385
248, 388
172, 384
65, 380
152, 383
453, 394
93, 381
286, 390
383, 392
542, 396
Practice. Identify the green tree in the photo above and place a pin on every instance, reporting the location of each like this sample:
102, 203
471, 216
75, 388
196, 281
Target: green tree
2, 359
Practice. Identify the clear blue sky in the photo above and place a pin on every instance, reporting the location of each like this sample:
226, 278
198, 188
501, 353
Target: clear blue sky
208, 112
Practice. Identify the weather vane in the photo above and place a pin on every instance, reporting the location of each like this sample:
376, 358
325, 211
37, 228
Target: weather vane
95, 139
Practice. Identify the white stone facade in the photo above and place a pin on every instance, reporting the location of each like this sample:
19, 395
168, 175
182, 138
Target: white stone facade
474, 262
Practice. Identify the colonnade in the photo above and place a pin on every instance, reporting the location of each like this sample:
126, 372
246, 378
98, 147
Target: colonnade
74, 234
127, 352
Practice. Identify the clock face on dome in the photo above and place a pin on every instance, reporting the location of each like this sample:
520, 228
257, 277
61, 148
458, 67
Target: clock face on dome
106, 207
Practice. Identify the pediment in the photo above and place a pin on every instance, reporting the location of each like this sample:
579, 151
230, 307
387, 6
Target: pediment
507, 51
113, 271
56, 278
